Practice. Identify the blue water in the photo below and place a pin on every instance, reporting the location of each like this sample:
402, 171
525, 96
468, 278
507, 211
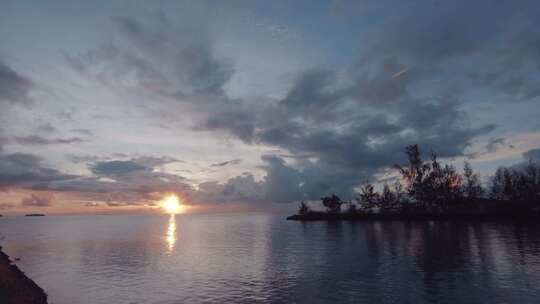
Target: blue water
261, 258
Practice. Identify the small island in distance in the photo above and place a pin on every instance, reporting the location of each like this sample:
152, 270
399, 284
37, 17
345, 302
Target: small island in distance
430, 190
35, 214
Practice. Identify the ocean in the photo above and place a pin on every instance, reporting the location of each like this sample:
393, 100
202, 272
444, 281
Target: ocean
262, 258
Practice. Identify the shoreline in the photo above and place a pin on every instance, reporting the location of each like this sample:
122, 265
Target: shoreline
323, 216
16, 287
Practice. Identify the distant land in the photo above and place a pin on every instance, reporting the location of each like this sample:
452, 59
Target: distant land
35, 214
430, 190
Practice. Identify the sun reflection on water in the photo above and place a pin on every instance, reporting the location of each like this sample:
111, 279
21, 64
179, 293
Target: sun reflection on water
171, 233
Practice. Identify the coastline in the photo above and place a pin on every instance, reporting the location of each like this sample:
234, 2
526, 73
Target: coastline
468, 210
16, 287
323, 216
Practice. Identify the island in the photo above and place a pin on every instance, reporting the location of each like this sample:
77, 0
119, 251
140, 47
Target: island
16, 287
35, 214
430, 190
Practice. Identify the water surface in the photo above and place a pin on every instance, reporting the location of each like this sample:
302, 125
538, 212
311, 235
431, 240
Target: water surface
261, 258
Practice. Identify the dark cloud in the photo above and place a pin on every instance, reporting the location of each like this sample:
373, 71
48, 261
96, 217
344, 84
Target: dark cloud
431, 31
14, 88
282, 183
243, 188
172, 59
85, 132
77, 159
20, 170
46, 128
120, 183
533, 154
37, 200
187, 48
494, 143
36, 140
6, 206
351, 123
146, 160
116, 167
113, 204
155, 161
227, 163
340, 126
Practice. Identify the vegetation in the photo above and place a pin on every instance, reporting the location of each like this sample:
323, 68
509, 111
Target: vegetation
517, 184
303, 209
430, 187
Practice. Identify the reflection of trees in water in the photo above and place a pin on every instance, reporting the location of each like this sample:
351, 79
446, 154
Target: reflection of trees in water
447, 258
396, 262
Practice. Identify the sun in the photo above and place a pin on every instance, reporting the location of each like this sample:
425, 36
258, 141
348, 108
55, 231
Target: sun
171, 204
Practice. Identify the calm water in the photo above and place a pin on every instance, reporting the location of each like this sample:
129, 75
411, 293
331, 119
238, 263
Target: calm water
260, 258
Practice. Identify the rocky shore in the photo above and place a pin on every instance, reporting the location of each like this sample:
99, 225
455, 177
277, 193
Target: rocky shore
16, 287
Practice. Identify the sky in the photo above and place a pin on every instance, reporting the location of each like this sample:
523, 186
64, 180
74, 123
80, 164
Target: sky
111, 105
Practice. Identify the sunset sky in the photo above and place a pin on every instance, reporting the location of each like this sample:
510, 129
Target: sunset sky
111, 105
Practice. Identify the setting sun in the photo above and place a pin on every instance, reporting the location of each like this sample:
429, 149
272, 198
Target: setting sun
171, 204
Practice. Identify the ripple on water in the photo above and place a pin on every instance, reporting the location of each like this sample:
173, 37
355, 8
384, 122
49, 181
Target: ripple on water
264, 259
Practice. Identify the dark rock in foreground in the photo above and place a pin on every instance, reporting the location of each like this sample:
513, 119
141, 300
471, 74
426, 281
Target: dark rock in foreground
15, 287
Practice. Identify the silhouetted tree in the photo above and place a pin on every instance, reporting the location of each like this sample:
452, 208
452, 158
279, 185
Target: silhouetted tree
332, 203
519, 184
442, 185
497, 184
432, 184
387, 201
509, 185
303, 208
398, 191
471, 184
352, 207
414, 172
532, 179
369, 198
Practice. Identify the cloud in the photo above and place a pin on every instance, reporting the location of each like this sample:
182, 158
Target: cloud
4, 206
21, 169
116, 167
121, 182
243, 188
173, 59
533, 154
494, 143
36, 140
352, 122
77, 159
14, 88
227, 163
155, 161
38, 200
46, 128
86, 132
